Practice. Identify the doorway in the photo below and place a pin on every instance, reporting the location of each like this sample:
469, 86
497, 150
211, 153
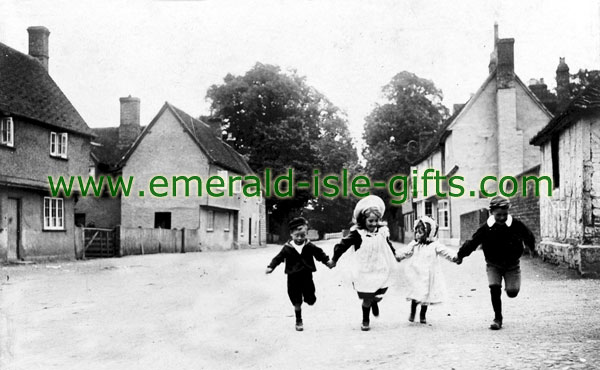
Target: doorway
250, 230
14, 229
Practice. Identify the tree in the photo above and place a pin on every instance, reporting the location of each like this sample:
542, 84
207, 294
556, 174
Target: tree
581, 79
413, 108
277, 121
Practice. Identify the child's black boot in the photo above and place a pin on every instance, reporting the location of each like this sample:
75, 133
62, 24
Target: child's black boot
365, 322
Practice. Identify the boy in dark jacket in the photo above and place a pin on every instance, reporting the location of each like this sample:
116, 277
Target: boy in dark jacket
501, 238
298, 254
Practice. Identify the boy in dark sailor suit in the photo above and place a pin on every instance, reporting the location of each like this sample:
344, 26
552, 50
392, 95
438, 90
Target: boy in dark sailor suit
299, 255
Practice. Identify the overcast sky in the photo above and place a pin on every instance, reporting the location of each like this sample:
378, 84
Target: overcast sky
174, 50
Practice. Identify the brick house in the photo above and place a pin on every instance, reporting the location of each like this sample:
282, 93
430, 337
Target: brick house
489, 135
570, 218
41, 135
174, 144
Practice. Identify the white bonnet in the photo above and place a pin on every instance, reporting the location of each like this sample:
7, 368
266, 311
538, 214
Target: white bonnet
370, 201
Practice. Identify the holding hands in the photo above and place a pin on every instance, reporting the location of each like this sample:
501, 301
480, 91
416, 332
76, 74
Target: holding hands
331, 264
457, 260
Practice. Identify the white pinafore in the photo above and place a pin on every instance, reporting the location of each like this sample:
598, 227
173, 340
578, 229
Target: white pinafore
373, 262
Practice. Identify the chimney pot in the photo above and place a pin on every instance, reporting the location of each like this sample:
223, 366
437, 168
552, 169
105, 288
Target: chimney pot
38, 44
563, 90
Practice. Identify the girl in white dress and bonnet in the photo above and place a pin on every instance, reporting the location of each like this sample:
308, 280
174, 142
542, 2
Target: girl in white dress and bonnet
423, 269
373, 257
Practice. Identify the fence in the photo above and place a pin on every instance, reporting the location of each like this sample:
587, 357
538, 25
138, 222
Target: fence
328, 236
149, 241
95, 243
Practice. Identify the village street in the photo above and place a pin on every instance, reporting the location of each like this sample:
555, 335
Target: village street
219, 310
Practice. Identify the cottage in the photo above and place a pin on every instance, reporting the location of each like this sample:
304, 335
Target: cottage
570, 218
174, 145
488, 136
41, 135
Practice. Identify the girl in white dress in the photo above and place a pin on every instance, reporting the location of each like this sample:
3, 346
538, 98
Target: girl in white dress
423, 269
373, 255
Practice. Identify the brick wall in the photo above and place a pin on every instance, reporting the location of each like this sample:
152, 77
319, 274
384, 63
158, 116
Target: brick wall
527, 209
470, 222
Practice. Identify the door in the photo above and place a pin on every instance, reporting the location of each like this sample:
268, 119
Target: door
235, 227
14, 229
249, 230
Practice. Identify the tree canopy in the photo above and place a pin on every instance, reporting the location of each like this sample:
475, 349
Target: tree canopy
277, 121
413, 108
581, 79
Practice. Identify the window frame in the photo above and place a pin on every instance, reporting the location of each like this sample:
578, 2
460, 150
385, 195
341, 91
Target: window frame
228, 227
51, 223
425, 203
59, 144
444, 208
10, 130
210, 220
223, 174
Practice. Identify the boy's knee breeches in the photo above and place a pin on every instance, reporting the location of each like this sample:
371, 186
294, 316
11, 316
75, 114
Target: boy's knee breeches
301, 287
511, 276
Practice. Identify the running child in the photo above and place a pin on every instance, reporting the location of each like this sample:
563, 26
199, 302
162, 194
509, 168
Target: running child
298, 254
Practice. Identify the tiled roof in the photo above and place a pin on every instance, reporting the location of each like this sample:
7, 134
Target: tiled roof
584, 104
440, 136
215, 149
27, 90
218, 151
104, 147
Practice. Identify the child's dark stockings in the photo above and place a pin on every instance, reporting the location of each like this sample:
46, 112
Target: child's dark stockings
496, 293
298, 311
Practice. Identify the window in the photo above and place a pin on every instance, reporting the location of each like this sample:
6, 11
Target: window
241, 226
228, 221
54, 215
7, 131
223, 174
210, 223
443, 214
428, 209
237, 187
409, 221
555, 162
162, 220
58, 144
80, 219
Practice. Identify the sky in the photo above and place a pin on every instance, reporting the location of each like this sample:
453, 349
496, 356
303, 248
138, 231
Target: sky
174, 50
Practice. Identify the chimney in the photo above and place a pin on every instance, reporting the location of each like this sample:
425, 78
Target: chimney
563, 90
494, 53
129, 128
505, 70
38, 44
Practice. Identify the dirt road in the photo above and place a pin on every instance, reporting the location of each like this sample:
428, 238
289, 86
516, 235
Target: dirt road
218, 310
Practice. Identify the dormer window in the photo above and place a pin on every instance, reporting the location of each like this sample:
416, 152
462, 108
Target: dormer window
7, 131
58, 144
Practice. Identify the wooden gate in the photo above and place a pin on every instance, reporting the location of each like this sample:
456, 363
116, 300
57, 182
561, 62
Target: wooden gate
99, 243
